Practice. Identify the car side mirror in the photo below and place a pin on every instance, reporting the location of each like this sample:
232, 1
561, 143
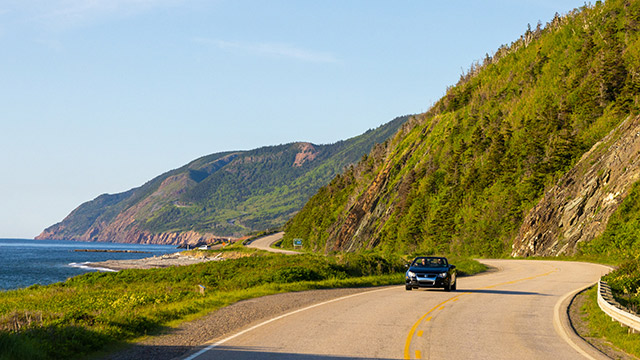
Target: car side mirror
453, 266
406, 265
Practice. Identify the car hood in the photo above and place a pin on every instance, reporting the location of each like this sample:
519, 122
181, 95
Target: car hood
435, 270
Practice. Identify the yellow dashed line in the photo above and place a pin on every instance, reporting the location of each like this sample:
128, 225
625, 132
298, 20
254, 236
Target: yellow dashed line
407, 346
407, 354
420, 333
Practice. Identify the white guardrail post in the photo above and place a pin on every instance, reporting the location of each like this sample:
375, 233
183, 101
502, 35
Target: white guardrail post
616, 311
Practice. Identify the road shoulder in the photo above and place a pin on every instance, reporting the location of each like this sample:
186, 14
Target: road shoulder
580, 325
191, 336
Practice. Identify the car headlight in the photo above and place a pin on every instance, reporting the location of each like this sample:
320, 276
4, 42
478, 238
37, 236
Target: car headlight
442, 275
411, 274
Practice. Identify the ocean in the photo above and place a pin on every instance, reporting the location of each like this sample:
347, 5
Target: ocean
26, 262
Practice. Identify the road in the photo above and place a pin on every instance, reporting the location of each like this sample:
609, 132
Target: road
504, 314
265, 242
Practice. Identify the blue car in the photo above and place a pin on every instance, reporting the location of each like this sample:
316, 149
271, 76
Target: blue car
430, 272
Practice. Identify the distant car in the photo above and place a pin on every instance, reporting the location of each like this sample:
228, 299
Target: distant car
431, 272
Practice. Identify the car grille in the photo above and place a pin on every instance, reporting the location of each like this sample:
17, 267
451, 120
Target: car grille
430, 275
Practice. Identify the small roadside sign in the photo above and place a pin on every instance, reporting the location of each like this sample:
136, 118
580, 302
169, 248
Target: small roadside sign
297, 243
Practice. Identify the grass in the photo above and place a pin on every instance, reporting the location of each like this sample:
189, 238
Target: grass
467, 266
89, 313
76, 332
601, 326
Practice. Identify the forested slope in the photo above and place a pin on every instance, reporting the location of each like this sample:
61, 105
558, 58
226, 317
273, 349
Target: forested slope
223, 194
461, 177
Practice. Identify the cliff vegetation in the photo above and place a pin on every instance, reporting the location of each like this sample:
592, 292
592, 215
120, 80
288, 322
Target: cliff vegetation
219, 195
462, 177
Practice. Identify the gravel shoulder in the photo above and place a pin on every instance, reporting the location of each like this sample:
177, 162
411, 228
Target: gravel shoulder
581, 326
175, 343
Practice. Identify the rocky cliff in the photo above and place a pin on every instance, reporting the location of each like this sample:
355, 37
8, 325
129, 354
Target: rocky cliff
577, 209
141, 237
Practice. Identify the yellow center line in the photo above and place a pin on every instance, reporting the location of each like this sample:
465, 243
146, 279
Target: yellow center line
440, 306
407, 346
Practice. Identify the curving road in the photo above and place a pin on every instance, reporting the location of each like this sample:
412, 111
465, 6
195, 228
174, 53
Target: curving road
265, 243
504, 314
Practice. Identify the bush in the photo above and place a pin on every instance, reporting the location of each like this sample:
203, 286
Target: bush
295, 274
625, 284
368, 264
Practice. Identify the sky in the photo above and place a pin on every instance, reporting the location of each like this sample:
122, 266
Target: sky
100, 96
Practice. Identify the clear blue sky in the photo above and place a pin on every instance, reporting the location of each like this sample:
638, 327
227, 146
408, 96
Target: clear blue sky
100, 96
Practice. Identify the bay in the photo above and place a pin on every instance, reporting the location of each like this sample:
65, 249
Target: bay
25, 262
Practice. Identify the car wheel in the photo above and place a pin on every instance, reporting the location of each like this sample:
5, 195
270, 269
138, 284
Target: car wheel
408, 287
447, 287
454, 286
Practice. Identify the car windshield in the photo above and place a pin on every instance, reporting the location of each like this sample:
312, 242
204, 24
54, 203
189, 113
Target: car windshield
430, 262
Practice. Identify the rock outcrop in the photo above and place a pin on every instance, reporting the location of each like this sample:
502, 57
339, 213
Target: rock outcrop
307, 152
139, 237
577, 209
124, 228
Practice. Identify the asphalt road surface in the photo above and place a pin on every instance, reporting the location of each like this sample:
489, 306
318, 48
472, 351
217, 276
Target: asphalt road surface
265, 242
504, 314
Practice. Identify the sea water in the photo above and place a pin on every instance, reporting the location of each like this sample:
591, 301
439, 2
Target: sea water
27, 262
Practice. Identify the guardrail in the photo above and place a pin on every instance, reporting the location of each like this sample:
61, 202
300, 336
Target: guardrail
616, 311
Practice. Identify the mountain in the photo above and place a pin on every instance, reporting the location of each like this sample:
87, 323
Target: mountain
494, 167
219, 195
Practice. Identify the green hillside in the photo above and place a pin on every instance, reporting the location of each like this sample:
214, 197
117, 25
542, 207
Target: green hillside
461, 177
226, 194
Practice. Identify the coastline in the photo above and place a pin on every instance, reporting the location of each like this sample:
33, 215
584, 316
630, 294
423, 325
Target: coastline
163, 261
45, 262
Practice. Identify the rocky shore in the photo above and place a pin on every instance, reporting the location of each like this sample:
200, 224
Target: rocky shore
176, 259
111, 251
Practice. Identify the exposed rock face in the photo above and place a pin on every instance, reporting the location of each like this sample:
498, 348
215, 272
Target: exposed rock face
578, 208
123, 229
138, 237
359, 216
307, 153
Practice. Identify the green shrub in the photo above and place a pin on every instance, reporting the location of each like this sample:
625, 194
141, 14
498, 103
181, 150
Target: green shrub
295, 274
89, 312
601, 326
625, 284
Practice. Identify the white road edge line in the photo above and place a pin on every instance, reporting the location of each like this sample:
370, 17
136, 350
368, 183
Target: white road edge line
566, 333
220, 342
558, 324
